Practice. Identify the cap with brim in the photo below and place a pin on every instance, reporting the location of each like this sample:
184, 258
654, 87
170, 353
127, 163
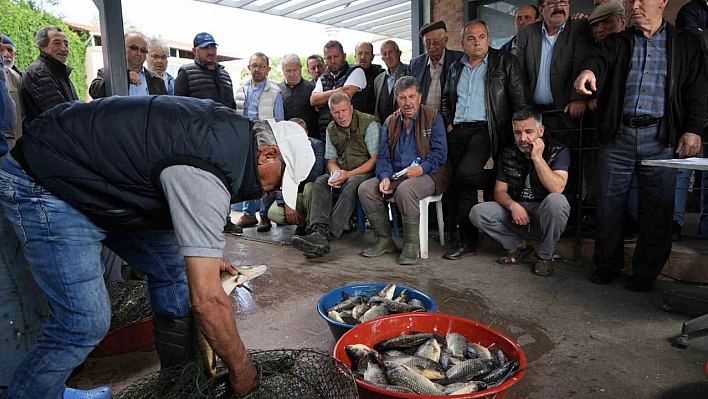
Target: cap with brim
432, 26
605, 10
203, 39
6, 40
297, 153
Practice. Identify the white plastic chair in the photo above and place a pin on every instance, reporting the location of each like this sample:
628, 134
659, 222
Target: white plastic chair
437, 199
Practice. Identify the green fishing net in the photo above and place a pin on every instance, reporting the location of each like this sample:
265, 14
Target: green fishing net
129, 302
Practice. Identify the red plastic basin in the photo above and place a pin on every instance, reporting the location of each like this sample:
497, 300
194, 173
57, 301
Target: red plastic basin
132, 337
375, 331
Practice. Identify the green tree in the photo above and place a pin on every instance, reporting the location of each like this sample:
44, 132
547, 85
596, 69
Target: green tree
20, 21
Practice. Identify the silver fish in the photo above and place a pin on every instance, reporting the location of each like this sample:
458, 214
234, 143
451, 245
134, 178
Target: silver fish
374, 313
357, 352
416, 302
425, 367
334, 315
498, 356
403, 341
482, 352
392, 353
503, 373
456, 344
359, 310
408, 378
430, 350
402, 297
371, 370
387, 291
462, 388
348, 304
395, 307
468, 370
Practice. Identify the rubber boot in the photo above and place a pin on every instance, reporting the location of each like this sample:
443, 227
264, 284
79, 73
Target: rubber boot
381, 227
411, 240
96, 393
175, 339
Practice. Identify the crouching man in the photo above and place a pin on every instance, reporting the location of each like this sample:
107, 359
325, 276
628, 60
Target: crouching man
413, 131
351, 148
528, 199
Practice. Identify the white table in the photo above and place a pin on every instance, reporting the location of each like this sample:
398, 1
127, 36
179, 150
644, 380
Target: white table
684, 163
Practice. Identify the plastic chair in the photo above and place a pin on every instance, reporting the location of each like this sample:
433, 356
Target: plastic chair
437, 199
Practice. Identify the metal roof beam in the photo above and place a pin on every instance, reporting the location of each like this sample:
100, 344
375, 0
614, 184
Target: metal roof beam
234, 3
266, 7
388, 27
293, 8
317, 10
393, 32
387, 20
349, 14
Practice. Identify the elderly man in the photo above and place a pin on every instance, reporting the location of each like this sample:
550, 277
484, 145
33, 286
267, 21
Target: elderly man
364, 54
155, 192
652, 85
412, 132
385, 100
158, 59
142, 81
258, 97
351, 149
528, 200
315, 66
205, 78
340, 77
46, 82
525, 15
14, 84
296, 93
430, 69
482, 91
606, 19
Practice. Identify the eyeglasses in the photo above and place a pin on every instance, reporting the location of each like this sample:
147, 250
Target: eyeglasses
158, 57
134, 47
258, 66
553, 4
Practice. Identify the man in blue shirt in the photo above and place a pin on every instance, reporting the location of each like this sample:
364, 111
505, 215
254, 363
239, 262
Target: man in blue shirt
412, 132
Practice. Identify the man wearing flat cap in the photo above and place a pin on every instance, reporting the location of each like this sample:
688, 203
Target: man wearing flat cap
430, 69
607, 18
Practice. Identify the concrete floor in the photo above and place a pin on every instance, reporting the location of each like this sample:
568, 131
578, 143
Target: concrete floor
582, 340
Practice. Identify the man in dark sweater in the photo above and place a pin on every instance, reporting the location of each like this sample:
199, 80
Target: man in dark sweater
364, 54
296, 93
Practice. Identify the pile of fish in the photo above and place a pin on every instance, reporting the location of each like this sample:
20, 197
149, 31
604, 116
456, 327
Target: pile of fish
357, 309
430, 364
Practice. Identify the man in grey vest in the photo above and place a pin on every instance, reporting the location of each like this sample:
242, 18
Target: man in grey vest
385, 103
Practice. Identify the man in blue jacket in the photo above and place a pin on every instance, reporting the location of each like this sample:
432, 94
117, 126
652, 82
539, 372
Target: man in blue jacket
156, 193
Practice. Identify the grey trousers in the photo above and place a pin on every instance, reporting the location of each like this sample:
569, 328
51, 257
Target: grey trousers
406, 193
335, 216
548, 219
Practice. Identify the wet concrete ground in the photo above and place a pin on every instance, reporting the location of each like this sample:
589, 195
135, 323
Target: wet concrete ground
582, 340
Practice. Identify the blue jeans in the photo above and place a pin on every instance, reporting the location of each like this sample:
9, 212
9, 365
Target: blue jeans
683, 180
262, 205
703, 222
63, 248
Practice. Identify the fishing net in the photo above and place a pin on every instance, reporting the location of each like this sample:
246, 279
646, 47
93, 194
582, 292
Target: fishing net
129, 302
282, 374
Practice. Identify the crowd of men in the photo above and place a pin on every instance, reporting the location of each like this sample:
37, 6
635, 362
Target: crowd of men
450, 122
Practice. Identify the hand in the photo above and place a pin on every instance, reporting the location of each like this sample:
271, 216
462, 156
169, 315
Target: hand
226, 266
134, 78
449, 128
576, 108
291, 215
414, 171
385, 186
519, 215
537, 151
690, 143
586, 77
342, 178
243, 380
592, 105
579, 15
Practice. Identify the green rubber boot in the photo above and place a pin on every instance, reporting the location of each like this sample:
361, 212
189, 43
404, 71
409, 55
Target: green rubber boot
411, 240
381, 227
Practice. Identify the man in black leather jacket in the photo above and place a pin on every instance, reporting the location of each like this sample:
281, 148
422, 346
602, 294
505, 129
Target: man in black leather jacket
477, 114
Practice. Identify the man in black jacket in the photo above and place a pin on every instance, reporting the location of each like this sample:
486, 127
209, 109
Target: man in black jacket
46, 82
119, 171
141, 81
652, 99
482, 91
296, 93
364, 54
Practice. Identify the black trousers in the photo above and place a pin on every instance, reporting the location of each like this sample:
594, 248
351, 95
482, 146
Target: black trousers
469, 148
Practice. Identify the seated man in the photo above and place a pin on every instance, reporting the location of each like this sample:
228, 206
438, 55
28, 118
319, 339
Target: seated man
413, 131
351, 149
279, 212
528, 199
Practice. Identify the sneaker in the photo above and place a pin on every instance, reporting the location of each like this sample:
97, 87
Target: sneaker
264, 225
676, 232
246, 221
96, 393
231, 228
315, 243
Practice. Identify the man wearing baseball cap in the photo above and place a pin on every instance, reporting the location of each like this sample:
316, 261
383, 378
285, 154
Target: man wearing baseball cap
156, 193
607, 18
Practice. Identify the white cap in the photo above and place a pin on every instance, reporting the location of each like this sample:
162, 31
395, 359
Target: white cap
297, 153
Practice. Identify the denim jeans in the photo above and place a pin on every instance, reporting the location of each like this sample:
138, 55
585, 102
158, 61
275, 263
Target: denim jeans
683, 180
63, 248
617, 165
703, 223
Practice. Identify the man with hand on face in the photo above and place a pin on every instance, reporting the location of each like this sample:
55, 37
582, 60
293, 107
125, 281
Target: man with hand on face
296, 93
525, 15
652, 102
364, 54
412, 132
143, 82
385, 99
158, 59
527, 196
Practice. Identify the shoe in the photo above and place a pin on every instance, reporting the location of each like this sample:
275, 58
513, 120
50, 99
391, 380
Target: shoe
638, 283
604, 275
544, 267
631, 238
460, 251
246, 221
676, 232
300, 230
411, 240
264, 225
382, 230
231, 228
96, 393
315, 243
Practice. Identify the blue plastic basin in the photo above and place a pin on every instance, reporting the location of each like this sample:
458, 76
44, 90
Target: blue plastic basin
333, 297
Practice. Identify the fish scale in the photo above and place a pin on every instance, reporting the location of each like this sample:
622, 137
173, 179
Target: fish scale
408, 378
468, 370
